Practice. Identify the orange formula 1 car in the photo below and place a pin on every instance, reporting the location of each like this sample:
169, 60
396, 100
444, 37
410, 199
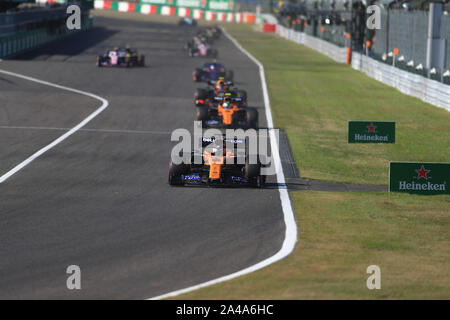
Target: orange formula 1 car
220, 88
218, 166
227, 114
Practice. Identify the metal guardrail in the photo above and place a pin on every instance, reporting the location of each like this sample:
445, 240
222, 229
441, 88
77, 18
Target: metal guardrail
415, 85
431, 91
336, 53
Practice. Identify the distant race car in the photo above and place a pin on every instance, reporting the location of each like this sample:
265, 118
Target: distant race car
227, 114
121, 57
218, 165
219, 89
213, 32
187, 22
212, 71
202, 50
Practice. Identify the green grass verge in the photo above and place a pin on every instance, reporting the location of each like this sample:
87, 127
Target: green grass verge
340, 234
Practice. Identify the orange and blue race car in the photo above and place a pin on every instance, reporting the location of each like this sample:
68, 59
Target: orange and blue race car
218, 165
227, 114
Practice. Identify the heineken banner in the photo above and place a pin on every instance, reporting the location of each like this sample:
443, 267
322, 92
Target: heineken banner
371, 132
213, 5
419, 177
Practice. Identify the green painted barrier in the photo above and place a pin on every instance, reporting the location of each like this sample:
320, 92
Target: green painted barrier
12, 45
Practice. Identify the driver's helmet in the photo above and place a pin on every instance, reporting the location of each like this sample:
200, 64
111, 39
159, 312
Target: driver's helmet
115, 48
216, 147
226, 104
220, 86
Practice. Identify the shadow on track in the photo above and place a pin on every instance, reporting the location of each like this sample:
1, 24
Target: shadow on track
69, 46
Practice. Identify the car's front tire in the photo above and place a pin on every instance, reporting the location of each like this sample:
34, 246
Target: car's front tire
202, 115
175, 172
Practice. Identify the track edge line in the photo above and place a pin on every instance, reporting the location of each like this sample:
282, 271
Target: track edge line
54, 143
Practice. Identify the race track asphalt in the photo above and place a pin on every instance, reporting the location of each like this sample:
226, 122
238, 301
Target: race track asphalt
100, 199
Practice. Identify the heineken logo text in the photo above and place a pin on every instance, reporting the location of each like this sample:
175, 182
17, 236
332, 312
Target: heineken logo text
403, 185
371, 132
365, 137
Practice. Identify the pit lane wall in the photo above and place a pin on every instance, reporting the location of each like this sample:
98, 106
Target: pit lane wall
220, 11
431, 91
17, 43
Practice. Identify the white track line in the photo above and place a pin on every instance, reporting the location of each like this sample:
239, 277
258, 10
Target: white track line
89, 130
36, 155
289, 219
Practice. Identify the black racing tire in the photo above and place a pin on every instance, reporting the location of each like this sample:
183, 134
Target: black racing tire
252, 118
196, 76
214, 53
200, 94
252, 170
142, 60
242, 94
99, 63
202, 115
260, 181
175, 171
229, 75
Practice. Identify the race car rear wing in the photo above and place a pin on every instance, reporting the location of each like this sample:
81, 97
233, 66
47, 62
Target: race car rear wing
235, 141
214, 82
233, 99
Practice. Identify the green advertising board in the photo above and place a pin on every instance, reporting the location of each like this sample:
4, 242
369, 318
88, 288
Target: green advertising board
371, 132
221, 5
213, 5
160, 2
426, 178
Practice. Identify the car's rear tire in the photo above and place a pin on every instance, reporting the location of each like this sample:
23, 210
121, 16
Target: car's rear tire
200, 94
196, 76
252, 118
260, 181
214, 53
142, 60
175, 172
252, 172
229, 75
242, 94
